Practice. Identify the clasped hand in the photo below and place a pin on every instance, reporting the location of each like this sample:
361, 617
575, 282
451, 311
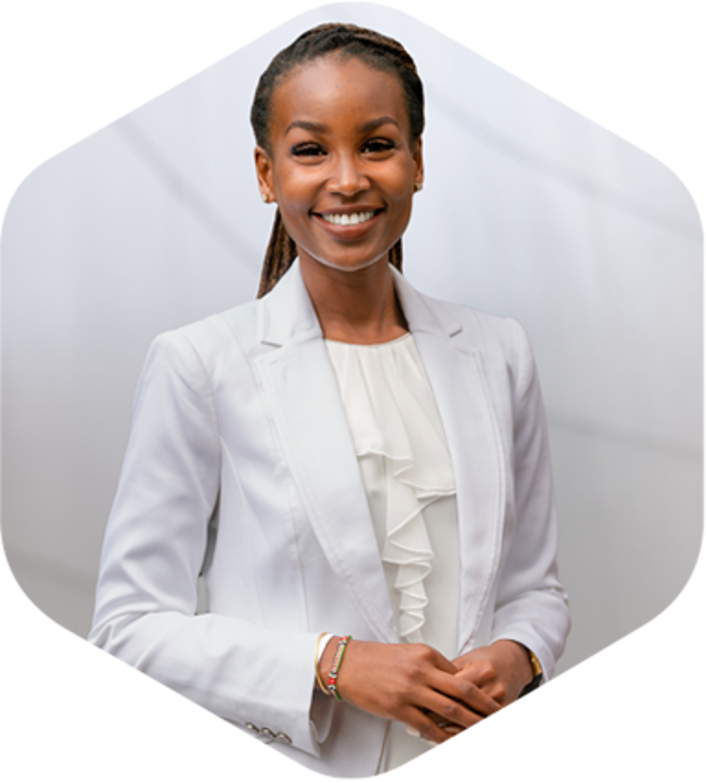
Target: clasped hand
501, 671
417, 685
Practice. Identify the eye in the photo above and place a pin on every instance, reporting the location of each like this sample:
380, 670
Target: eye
378, 145
307, 149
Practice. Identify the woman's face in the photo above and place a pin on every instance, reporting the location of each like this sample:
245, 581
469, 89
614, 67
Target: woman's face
341, 166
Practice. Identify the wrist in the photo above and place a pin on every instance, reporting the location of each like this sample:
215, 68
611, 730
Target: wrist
535, 665
525, 660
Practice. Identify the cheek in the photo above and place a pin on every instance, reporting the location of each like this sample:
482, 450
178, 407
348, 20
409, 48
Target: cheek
292, 188
401, 193
400, 183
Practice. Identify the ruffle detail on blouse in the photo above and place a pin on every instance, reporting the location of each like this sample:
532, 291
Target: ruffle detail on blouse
391, 412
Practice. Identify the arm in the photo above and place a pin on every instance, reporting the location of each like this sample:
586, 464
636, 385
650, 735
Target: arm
531, 605
153, 553
531, 608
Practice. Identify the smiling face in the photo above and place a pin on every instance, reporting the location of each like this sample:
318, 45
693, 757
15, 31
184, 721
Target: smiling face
341, 164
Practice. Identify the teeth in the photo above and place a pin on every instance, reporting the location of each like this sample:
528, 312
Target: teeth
348, 220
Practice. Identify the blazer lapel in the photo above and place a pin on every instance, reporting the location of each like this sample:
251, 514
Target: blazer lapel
455, 372
302, 392
303, 396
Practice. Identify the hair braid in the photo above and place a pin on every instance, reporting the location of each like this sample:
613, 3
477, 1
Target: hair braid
374, 49
281, 252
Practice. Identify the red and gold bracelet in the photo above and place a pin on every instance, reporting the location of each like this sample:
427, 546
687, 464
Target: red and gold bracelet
335, 666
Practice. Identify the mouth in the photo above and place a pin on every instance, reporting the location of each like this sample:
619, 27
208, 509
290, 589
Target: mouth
348, 218
349, 224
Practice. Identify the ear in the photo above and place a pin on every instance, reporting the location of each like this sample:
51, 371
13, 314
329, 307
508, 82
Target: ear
265, 176
418, 162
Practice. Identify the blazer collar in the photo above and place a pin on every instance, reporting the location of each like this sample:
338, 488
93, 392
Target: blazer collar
287, 311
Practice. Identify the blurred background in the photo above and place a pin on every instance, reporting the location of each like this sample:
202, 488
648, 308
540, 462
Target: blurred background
529, 210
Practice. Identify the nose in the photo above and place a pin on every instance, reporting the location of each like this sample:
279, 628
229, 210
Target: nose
347, 178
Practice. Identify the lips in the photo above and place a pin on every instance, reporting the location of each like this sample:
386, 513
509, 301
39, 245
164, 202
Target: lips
349, 224
347, 211
351, 219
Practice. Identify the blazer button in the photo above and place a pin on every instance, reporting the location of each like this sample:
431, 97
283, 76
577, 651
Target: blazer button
283, 738
252, 727
268, 733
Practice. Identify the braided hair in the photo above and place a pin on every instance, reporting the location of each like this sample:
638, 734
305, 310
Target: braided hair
374, 49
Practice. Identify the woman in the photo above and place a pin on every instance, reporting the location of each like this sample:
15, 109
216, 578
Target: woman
344, 457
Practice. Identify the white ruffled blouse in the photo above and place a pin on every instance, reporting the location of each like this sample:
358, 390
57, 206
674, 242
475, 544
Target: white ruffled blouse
408, 478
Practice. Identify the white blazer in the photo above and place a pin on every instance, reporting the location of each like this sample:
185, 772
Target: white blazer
240, 466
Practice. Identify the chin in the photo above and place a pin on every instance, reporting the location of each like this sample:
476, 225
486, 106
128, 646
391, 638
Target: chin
348, 266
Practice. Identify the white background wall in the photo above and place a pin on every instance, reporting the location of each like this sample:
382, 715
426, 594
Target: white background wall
529, 210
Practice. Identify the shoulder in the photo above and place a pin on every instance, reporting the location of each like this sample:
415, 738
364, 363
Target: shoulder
209, 336
499, 342
477, 330
197, 353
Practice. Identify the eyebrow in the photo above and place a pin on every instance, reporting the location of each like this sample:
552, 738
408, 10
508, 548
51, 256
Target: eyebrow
317, 127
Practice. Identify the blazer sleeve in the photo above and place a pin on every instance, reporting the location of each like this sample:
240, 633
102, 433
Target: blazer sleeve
531, 605
153, 553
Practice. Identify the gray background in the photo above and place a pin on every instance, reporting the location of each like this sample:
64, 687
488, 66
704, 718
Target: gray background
529, 210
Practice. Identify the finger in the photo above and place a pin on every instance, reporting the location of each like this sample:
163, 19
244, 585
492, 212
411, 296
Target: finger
462, 690
480, 673
422, 724
436, 659
476, 698
483, 675
450, 711
452, 729
497, 694
448, 728
442, 723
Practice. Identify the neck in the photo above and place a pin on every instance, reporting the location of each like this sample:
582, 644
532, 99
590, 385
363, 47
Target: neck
354, 307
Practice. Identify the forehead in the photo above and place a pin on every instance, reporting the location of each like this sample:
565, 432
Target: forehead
337, 90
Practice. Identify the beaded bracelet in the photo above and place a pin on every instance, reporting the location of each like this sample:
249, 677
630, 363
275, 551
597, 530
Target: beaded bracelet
335, 666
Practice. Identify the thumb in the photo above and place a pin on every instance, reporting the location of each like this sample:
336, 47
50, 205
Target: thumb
444, 664
479, 672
